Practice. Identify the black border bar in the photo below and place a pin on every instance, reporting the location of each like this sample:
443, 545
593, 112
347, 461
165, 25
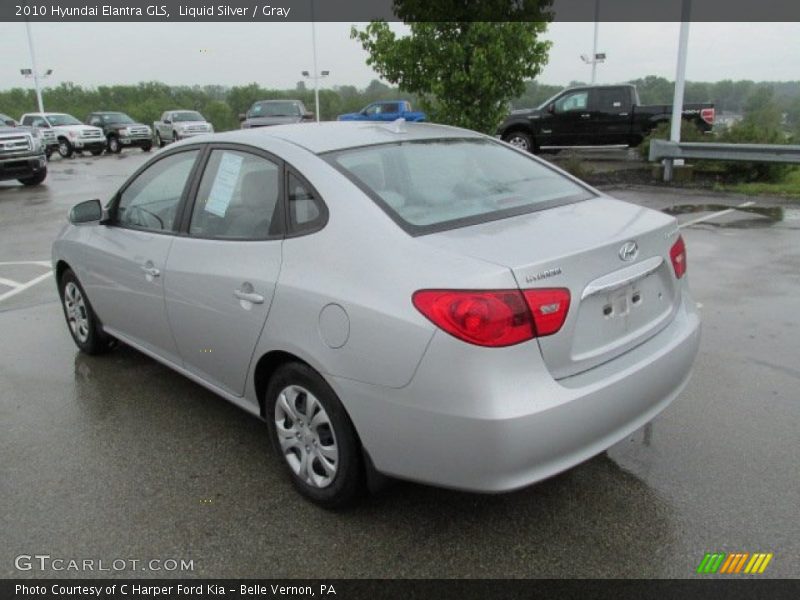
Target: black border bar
396, 10
739, 588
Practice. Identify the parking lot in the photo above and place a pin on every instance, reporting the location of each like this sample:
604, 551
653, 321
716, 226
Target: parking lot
119, 457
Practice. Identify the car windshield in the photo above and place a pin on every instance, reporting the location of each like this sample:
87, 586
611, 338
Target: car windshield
432, 185
116, 118
57, 120
275, 109
187, 115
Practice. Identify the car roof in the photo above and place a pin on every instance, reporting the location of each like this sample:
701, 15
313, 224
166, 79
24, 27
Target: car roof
338, 135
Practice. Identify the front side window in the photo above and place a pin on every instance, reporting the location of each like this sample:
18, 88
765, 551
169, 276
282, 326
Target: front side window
237, 198
151, 201
373, 109
574, 101
433, 185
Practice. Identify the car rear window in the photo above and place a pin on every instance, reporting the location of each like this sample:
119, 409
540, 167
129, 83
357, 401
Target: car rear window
432, 185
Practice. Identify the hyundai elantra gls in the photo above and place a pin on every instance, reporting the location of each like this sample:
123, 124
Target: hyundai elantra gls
413, 300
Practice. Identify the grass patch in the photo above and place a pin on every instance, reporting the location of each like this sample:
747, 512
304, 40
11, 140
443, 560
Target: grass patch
788, 187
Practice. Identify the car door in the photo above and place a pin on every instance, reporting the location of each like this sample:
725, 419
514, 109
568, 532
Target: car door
124, 264
611, 115
224, 268
390, 111
372, 112
570, 121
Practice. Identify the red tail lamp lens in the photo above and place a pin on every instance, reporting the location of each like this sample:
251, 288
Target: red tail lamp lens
677, 255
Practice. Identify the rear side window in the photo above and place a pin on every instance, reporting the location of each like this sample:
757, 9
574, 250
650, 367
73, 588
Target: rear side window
238, 198
429, 186
611, 99
306, 211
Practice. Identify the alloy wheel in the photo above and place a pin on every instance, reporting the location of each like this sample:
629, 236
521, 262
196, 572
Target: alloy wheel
77, 315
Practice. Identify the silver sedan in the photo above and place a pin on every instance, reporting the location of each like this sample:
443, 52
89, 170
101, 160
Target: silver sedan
411, 300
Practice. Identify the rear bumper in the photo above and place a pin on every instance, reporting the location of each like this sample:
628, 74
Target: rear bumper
496, 427
21, 167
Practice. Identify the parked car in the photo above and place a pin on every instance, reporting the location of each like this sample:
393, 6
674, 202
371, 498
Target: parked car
22, 153
264, 113
121, 131
386, 110
45, 131
176, 125
419, 301
601, 115
72, 135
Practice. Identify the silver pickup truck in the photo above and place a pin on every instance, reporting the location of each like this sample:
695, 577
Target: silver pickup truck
178, 124
49, 138
22, 154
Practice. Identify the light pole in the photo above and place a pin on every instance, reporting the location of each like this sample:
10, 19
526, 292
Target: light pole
596, 58
34, 72
680, 84
316, 77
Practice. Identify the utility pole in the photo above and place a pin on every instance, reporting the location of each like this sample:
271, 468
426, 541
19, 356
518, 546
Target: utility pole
680, 84
594, 46
34, 68
314, 51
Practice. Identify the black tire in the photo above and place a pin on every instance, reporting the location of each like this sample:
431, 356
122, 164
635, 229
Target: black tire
176, 137
34, 179
348, 483
159, 141
147, 147
96, 341
48, 153
65, 149
96, 152
520, 139
113, 144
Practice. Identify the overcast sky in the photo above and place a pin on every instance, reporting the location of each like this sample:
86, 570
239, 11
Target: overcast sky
274, 54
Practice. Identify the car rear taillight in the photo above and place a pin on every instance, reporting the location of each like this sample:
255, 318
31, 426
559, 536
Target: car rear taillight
549, 307
677, 255
494, 318
708, 115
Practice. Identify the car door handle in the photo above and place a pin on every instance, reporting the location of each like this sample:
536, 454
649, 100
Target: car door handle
150, 270
585, 116
249, 296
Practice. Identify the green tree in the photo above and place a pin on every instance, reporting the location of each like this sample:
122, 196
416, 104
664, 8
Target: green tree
465, 73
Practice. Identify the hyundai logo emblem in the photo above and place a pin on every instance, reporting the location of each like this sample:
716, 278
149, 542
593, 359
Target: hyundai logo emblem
629, 251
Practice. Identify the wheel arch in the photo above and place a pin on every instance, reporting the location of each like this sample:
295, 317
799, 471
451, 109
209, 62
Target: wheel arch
61, 267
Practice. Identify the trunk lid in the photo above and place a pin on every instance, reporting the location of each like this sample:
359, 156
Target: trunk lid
616, 303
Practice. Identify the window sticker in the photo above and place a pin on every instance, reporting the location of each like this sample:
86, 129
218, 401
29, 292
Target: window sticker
224, 184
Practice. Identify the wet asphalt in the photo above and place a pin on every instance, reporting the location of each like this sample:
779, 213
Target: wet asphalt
117, 457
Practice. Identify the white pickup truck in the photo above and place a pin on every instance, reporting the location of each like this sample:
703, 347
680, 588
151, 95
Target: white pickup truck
73, 136
178, 124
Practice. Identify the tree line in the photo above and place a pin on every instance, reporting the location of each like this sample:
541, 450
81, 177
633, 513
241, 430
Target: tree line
221, 105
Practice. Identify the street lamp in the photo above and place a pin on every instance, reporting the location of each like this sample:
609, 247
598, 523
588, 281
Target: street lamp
316, 79
597, 57
33, 72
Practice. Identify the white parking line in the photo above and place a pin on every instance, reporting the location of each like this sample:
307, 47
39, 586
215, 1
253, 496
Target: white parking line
715, 215
17, 287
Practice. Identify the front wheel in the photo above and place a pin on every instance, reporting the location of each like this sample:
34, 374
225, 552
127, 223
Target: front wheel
176, 137
34, 179
519, 139
159, 141
113, 145
65, 149
84, 326
147, 147
312, 433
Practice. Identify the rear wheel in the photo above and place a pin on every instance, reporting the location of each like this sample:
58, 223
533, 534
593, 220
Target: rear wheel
314, 437
65, 149
83, 324
519, 139
34, 179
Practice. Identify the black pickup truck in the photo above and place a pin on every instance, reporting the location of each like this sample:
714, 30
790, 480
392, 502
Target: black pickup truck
600, 115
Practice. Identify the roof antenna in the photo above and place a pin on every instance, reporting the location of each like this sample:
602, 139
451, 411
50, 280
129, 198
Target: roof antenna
398, 126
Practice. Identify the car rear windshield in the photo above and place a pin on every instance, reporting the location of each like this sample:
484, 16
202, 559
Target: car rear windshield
188, 115
433, 185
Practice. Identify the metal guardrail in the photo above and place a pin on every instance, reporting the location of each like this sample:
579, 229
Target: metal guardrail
777, 153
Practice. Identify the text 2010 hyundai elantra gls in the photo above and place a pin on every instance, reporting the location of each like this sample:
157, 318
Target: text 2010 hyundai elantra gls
414, 300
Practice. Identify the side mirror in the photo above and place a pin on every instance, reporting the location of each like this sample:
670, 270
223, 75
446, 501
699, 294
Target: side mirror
242, 116
551, 108
167, 121
11, 123
86, 212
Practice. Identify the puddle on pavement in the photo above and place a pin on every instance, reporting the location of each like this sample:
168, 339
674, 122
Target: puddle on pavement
766, 215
